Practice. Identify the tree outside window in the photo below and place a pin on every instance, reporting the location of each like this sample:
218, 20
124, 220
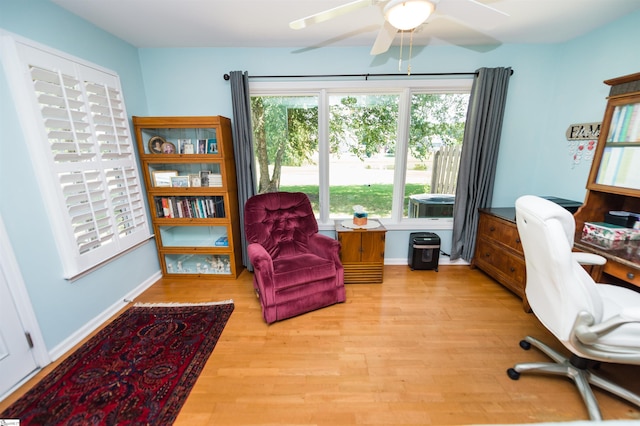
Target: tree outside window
362, 145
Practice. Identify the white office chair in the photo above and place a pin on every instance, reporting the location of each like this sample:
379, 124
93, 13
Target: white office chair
596, 322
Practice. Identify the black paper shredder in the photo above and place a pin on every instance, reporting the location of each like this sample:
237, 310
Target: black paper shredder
424, 250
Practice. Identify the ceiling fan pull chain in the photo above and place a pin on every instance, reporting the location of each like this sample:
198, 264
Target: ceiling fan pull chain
410, 53
401, 43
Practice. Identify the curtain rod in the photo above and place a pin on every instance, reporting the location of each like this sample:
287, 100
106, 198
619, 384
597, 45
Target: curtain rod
366, 76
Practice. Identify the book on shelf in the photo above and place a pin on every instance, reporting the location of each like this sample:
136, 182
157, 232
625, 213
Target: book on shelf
625, 124
222, 242
215, 179
190, 207
165, 208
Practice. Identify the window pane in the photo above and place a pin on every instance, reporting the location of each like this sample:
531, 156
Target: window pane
285, 131
435, 141
362, 137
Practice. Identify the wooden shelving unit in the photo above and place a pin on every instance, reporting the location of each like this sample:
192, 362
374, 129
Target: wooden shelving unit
190, 177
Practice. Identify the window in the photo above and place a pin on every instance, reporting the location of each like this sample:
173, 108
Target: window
78, 134
286, 144
357, 143
363, 131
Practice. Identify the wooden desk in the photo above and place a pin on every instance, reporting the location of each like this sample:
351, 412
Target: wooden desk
499, 253
622, 263
362, 253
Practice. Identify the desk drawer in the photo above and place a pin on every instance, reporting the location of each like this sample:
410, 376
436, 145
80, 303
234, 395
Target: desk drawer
501, 231
507, 268
623, 272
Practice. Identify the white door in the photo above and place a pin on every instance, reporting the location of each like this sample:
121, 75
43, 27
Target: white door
18, 359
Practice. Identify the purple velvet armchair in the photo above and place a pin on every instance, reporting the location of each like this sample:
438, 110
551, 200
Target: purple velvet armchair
296, 269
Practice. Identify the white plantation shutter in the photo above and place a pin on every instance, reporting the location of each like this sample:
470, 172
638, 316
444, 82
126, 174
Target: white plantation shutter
78, 132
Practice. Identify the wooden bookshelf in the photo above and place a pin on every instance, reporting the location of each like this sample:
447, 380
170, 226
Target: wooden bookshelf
189, 172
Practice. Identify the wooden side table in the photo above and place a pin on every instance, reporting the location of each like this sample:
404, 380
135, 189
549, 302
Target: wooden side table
362, 253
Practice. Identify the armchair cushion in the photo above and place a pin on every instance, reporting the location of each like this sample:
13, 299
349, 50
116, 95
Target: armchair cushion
298, 269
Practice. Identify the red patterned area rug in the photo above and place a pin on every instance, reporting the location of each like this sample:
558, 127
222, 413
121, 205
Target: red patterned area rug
138, 370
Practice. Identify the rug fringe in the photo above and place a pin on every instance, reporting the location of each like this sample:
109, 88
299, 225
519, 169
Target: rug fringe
170, 304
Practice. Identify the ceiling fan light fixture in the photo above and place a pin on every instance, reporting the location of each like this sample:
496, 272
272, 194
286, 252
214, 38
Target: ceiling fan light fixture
408, 14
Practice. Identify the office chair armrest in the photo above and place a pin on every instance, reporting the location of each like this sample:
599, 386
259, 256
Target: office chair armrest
588, 258
588, 333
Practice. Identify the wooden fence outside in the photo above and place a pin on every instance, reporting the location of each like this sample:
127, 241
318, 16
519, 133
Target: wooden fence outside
446, 162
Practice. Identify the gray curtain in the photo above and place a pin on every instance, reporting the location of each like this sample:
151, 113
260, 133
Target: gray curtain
479, 156
243, 148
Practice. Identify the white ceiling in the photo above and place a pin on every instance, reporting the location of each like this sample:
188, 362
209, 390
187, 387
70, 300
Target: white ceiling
264, 23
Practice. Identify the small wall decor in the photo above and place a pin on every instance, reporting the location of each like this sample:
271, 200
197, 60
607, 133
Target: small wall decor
582, 141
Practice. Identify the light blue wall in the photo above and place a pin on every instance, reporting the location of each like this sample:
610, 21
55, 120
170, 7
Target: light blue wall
553, 86
534, 154
61, 307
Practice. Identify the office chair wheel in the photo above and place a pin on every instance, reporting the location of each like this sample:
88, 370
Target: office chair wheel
525, 345
513, 374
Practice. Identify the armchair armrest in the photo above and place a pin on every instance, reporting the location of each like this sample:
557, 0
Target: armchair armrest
325, 247
588, 258
263, 270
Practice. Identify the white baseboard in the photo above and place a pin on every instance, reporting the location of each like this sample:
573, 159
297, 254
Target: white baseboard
442, 260
71, 341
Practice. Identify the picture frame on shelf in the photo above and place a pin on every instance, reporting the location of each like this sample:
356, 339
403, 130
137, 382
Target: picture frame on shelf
180, 146
155, 145
202, 146
163, 177
180, 181
194, 180
168, 148
204, 177
185, 146
212, 146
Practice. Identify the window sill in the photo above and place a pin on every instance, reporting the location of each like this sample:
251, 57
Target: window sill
445, 223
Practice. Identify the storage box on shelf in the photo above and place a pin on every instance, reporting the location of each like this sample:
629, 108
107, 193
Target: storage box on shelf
607, 235
189, 172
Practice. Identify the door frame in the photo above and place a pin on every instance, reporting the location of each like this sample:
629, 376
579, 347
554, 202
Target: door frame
18, 290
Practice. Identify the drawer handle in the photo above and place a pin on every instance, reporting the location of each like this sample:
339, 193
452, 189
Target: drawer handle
631, 275
487, 254
512, 269
518, 240
492, 228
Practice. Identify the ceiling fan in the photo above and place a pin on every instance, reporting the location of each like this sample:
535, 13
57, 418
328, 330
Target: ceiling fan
406, 15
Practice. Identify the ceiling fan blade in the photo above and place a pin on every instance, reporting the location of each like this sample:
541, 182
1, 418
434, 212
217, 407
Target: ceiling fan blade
329, 14
472, 12
384, 39
459, 34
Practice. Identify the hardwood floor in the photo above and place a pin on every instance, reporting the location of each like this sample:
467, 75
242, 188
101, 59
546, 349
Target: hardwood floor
423, 348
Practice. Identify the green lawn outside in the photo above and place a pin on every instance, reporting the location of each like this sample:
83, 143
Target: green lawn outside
376, 198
